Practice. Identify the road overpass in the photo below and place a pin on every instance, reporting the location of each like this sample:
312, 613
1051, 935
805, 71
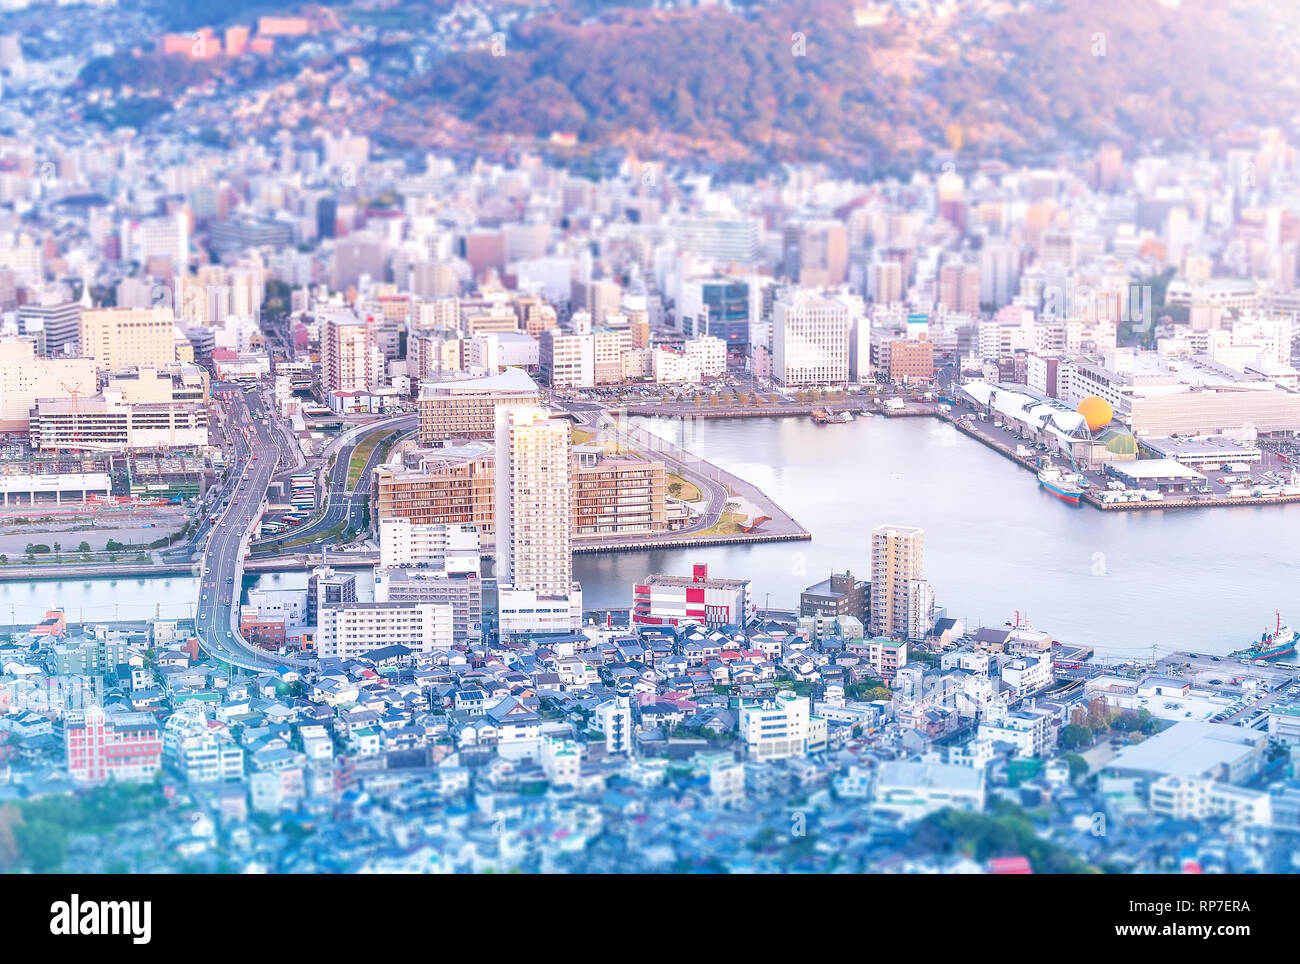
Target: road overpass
221, 567
342, 507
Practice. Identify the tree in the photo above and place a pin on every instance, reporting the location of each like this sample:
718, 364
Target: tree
1078, 765
84, 547
1126, 723
43, 844
58, 549
1074, 736
1098, 713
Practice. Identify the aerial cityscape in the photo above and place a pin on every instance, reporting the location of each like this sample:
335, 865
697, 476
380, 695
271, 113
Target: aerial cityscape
673, 436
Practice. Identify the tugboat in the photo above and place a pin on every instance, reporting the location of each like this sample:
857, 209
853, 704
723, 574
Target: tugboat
1063, 485
1280, 642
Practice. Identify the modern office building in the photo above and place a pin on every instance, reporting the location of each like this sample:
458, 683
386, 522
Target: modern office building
698, 598
60, 323
406, 543
119, 338
720, 240
810, 337
617, 494
719, 307
450, 486
467, 408
568, 360
908, 361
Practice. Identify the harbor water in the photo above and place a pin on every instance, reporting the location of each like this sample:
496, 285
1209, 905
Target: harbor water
995, 544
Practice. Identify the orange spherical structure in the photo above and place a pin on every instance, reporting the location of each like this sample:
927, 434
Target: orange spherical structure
1096, 411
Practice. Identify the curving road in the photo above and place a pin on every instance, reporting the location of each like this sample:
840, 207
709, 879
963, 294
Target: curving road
255, 455
342, 506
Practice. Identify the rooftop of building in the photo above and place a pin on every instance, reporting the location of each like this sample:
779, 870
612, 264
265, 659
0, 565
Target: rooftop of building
418, 460
1147, 469
1189, 748
510, 381
950, 776
709, 582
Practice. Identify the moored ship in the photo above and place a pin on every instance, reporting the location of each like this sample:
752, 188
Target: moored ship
1064, 485
1274, 645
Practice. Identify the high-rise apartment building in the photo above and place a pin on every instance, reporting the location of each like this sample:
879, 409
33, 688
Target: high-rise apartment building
325, 587
533, 502
607, 349
959, 288
897, 558
351, 360
887, 282
638, 325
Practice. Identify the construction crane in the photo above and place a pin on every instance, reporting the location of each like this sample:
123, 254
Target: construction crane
74, 393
